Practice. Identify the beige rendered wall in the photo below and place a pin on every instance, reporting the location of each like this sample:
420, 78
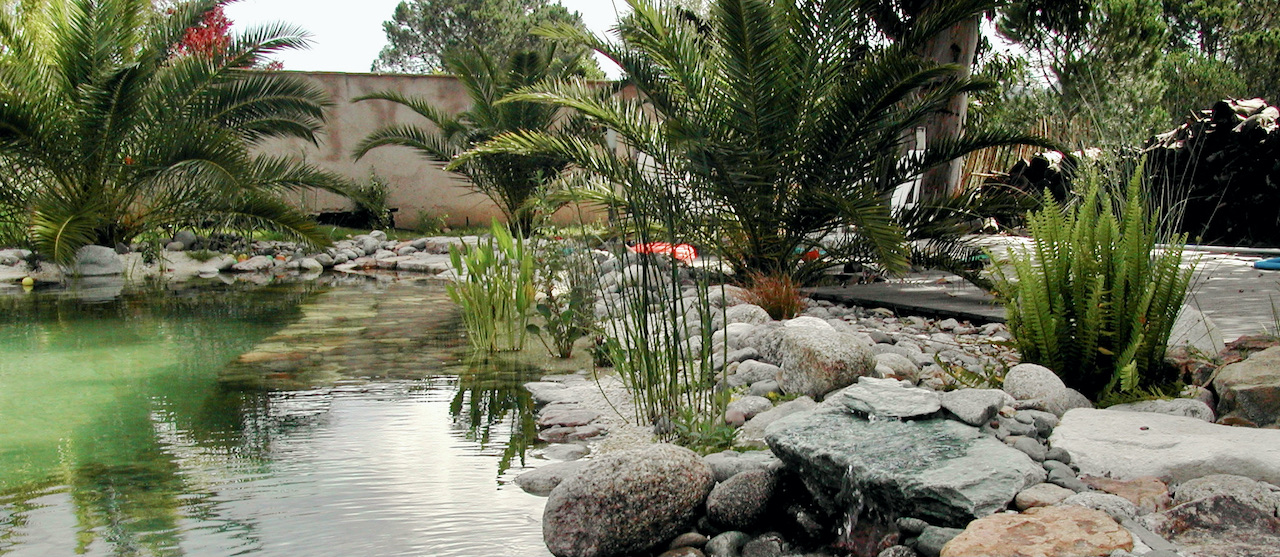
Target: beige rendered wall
416, 186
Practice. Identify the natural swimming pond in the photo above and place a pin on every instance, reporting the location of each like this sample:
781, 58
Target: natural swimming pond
287, 419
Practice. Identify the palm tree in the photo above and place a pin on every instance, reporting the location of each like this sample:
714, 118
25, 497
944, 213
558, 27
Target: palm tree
110, 132
510, 180
765, 126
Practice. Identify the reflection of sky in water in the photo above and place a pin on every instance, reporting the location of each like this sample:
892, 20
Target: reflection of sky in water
142, 456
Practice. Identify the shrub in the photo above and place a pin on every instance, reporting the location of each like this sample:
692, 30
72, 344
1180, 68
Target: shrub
1094, 301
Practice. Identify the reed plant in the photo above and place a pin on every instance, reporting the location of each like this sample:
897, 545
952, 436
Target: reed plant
1093, 299
778, 294
495, 287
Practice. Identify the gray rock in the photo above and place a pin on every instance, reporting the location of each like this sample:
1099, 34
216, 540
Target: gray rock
1031, 447
1250, 389
752, 433
743, 313
1058, 454
726, 544
769, 544
1259, 495
975, 406
911, 526
547, 391
889, 398
175, 246
752, 371
1044, 422
1193, 328
746, 408
816, 360
1176, 407
257, 263
1067, 479
901, 366
765, 388
739, 502
541, 480
185, 237
564, 415
1041, 495
939, 470
1217, 526
727, 464
1128, 445
1031, 382
369, 244
1116, 506
930, 542
407, 250
310, 265
900, 349
325, 260
626, 502
565, 451
689, 539
1052, 465
96, 261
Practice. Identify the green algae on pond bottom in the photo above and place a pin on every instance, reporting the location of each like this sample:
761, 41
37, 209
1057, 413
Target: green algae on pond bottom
116, 437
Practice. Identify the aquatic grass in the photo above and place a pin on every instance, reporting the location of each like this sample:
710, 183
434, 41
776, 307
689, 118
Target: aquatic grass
1094, 300
495, 288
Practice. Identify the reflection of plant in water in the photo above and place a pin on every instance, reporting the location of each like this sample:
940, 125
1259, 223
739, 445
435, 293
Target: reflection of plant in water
490, 396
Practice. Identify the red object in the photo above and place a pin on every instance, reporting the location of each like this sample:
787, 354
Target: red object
210, 37
682, 252
811, 255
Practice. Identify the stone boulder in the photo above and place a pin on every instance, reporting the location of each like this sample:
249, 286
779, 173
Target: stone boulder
939, 470
1194, 329
1043, 387
975, 406
727, 464
1127, 445
752, 433
1260, 495
626, 502
1177, 407
257, 263
1039, 495
739, 502
1250, 389
542, 480
888, 398
1075, 531
817, 360
1148, 493
96, 261
1217, 526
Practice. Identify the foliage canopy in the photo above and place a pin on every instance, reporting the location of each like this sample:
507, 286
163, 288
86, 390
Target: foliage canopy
109, 132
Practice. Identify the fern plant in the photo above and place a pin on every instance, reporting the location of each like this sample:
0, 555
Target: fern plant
1094, 300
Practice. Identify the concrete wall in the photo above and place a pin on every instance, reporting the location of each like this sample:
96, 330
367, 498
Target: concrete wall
416, 185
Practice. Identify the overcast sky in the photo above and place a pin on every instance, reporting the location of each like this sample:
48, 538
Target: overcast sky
347, 35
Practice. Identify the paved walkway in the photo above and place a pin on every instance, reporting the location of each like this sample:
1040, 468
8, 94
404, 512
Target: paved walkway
1239, 299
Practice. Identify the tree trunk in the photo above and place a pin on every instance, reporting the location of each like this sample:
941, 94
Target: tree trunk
957, 45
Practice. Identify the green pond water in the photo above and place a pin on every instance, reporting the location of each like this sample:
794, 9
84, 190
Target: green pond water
128, 427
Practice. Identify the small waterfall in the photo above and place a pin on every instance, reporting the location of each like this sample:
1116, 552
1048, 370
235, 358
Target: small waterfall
866, 528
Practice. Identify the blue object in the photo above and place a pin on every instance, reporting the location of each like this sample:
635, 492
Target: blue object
1272, 264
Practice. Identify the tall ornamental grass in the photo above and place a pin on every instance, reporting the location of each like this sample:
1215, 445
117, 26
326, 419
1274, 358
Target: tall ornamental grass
1093, 299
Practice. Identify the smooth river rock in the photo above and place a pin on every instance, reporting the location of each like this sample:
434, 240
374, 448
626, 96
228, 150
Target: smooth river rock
1250, 389
1177, 407
626, 502
1075, 531
1127, 445
817, 360
940, 470
95, 261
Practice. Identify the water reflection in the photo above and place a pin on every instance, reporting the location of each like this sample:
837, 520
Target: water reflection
117, 439
491, 396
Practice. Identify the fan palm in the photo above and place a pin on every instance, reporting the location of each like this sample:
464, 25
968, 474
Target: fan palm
114, 133
764, 127
510, 180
